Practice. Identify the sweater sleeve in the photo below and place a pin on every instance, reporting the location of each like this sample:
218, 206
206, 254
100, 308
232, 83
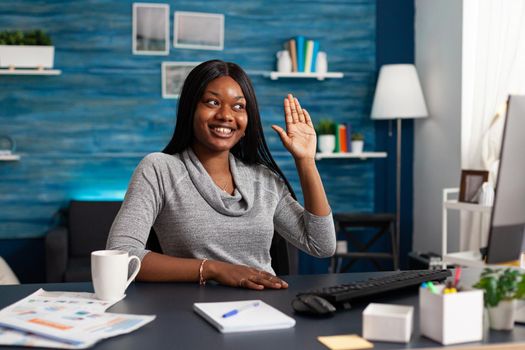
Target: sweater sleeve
142, 203
311, 233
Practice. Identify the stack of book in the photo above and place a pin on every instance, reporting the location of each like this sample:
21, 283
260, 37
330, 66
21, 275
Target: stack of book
303, 53
343, 138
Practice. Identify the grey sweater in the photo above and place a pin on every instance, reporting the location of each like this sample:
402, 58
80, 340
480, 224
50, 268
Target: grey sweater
193, 218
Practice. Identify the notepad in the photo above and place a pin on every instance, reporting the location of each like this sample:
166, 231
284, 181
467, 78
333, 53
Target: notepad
250, 317
345, 342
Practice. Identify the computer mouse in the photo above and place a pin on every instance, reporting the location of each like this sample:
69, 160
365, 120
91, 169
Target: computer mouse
312, 305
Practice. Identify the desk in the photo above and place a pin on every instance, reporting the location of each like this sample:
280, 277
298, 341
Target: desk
178, 327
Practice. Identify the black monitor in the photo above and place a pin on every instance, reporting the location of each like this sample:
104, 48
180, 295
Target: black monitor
507, 223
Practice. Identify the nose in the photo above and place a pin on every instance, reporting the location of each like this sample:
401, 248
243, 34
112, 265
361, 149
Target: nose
224, 113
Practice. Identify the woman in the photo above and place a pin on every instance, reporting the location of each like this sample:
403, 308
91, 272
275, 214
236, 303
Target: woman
215, 195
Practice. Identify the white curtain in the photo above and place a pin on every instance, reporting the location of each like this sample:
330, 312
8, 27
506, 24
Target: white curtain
493, 67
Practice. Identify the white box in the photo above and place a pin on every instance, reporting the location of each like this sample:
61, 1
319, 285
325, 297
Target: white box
386, 322
451, 318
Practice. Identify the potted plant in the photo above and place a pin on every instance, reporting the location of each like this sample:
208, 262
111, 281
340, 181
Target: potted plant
502, 287
29, 49
358, 141
326, 135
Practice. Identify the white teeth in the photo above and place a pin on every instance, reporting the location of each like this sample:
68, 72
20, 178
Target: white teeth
223, 130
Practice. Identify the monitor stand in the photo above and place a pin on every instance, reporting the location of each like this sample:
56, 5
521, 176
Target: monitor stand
468, 258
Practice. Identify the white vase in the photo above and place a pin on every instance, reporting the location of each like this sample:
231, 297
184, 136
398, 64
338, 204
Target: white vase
502, 316
357, 146
326, 143
284, 62
321, 62
26, 56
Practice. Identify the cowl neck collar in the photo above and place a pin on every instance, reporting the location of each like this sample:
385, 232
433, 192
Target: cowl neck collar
240, 203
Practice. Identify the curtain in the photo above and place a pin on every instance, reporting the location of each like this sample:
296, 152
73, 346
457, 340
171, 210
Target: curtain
493, 67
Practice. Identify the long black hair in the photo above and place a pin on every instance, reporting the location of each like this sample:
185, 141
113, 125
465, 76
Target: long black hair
252, 148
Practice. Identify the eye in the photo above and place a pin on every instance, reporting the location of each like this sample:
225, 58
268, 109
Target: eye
238, 107
212, 102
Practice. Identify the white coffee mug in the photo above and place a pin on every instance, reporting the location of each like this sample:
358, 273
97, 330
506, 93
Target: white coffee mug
109, 272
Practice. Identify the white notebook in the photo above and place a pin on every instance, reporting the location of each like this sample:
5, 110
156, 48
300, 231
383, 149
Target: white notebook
243, 316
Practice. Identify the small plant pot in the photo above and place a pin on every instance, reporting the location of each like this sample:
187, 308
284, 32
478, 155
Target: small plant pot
503, 315
357, 146
26, 56
326, 143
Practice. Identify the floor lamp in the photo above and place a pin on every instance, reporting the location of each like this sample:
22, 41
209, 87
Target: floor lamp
398, 96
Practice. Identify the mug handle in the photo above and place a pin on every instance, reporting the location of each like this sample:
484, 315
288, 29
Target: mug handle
137, 269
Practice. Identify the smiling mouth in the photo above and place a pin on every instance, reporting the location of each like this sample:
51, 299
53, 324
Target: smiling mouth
222, 131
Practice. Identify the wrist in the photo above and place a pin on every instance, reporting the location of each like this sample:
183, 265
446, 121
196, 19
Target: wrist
210, 270
305, 163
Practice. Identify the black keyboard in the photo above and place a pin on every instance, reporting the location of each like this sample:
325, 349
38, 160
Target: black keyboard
363, 289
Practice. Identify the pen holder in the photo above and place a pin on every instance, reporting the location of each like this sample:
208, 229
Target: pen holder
451, 318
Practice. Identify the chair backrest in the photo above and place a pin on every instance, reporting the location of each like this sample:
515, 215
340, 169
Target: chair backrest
284, 256
89, 223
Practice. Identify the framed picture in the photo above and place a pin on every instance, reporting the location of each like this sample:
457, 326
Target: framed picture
151, 33
197, 30
173, 76
471, 182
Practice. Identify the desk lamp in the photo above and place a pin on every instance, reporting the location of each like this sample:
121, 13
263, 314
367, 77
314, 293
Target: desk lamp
398, 96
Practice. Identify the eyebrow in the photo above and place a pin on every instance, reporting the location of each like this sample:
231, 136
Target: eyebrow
218, 95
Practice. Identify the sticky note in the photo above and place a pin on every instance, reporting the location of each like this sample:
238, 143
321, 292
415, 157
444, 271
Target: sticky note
345, 342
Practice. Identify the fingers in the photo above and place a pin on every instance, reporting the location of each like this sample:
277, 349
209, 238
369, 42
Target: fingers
261, 280
299, 110
293, 108
282, 133
307, 118
287, 111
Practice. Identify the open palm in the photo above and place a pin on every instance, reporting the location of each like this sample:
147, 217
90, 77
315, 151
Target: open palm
299, 138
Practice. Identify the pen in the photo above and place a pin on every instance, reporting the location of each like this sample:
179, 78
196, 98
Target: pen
457, 276
431, 287
236, 311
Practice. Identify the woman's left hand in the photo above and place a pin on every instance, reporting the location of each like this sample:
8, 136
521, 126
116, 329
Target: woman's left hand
299, 138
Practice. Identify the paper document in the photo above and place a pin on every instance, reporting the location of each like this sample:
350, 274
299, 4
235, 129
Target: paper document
63, 320
243, 316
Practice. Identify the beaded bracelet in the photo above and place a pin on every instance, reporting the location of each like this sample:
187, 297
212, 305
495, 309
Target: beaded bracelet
202, 281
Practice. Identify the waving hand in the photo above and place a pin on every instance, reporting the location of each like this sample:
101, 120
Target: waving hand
299, 138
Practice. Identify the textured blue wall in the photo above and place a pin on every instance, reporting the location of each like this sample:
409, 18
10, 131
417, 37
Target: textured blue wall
83, 132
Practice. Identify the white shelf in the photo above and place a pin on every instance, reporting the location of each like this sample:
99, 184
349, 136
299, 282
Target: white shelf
318, 76
454, 204
9, 157
362, 155
30, 72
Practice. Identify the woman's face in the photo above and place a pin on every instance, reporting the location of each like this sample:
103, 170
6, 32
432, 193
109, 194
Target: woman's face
220, 119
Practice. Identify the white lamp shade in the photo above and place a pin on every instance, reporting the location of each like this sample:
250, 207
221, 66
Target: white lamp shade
398, 93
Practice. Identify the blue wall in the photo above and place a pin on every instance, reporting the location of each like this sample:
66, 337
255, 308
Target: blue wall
83, 132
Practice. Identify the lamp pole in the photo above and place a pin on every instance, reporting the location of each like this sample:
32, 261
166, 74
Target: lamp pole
398, 188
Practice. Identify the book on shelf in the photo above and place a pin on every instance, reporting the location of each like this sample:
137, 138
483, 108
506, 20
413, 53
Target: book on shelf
349, 137
341, 129
308, 56
314, 55
293, 54
300, 45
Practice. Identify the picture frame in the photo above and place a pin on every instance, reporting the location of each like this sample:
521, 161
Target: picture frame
198, 30
173, 76
471, 183
151, 33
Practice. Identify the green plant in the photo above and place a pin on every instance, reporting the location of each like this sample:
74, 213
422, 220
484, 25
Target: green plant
31, 37
357, 136
500, 285
325, 127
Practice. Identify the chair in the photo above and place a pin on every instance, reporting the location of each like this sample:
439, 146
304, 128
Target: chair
68, 248
347, 225
87, 224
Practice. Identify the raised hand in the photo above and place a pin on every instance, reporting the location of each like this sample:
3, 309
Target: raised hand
243, 276
299, 138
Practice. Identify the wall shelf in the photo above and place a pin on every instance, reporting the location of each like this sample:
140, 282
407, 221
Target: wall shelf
362, 155
30, 72
318, 76
9, 157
